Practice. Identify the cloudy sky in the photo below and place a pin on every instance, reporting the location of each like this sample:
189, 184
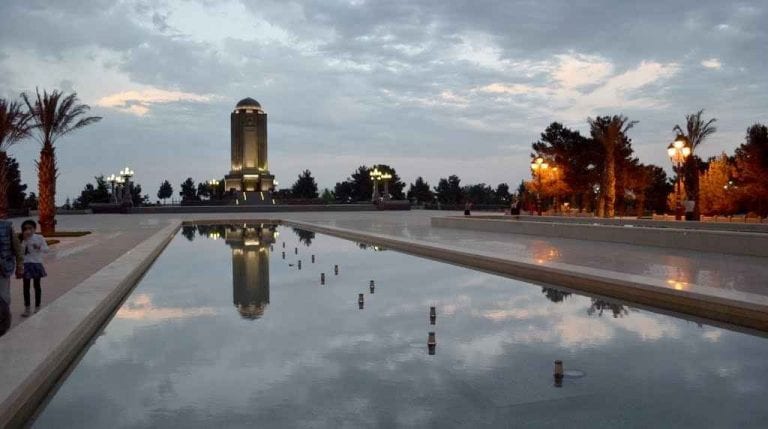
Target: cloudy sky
431, 87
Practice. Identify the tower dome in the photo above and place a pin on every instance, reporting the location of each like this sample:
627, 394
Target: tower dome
248, 103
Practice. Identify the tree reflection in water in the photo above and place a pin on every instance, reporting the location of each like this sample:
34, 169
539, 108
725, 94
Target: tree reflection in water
374, 247
305, 236
599, 305
555, 295
189, 231
211, 231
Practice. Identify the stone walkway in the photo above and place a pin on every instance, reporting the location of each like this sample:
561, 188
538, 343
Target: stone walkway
75, 259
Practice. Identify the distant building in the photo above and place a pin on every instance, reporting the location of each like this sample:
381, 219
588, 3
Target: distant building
250, 169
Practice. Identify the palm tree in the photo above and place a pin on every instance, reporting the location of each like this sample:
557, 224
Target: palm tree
696, 131
608, 130
14, 127
53, 115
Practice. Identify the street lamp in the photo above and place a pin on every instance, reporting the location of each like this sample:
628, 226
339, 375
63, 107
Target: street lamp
375, 177
112, 179
125, 176
386, 177
678, 151
538, 166
214, 185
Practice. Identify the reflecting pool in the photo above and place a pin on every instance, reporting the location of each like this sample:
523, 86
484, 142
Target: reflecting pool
253, 326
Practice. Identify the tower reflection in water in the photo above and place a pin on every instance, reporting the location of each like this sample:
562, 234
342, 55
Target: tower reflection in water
250, 267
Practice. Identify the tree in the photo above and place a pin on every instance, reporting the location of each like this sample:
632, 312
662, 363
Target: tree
600, 305
53, 115
657, 189
343, 191
502, 193
696, 131
204, 190
395, 185
188, 191
305, 236
449, 190
328, 196
548, 184
611, 132
420, 191
189, 232
555, 295
165, 191
136, 198
305, 186
751, 172
31, 201
479, 193
715, 194
93, 194
14, 127
359, 186
16, 191
580, 158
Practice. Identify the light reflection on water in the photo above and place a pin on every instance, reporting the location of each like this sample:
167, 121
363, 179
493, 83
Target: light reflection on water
222, 331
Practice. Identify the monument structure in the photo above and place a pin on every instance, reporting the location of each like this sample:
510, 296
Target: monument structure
249, 171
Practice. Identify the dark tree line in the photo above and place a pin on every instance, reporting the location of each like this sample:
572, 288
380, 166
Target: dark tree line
359, 186
600, 173
100, 193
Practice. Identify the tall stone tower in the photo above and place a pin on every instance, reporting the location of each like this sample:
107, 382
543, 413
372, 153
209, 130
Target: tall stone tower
250, 169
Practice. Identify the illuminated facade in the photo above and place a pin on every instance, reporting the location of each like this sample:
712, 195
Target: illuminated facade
250, 169
250, 268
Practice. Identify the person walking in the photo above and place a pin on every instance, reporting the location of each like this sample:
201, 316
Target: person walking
11, 260
34, 246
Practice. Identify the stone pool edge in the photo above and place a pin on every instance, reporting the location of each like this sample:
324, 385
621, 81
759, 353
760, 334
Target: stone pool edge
634, 289
36, 353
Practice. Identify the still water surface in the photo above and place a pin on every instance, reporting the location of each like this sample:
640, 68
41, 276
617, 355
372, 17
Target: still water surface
225, 332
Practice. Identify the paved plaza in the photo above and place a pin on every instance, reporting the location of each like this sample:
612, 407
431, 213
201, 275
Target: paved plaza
75, 259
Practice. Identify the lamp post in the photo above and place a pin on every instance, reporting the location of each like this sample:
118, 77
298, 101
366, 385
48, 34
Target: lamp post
112, 179
214, 185
126, 175
538, 166
375, 177
119, 194
386, 177
678, 151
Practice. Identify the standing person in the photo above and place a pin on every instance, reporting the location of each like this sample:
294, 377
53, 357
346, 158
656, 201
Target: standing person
514, 209
690, 206
34, 246
10, 259
467, 208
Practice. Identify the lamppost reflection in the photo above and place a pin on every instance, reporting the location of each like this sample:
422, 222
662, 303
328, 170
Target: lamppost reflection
250, 267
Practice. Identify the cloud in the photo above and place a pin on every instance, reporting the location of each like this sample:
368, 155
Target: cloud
513, 89
575, 71
491, 74
139, 102
712, 63
140, 307
582, 85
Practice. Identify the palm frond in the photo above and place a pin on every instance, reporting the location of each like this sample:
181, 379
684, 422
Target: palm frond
14, 124
55, 115
696, 129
